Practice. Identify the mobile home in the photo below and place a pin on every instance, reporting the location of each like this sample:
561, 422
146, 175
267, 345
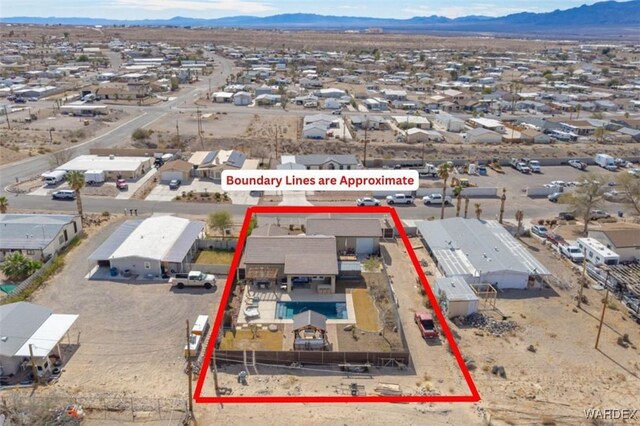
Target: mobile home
596, 253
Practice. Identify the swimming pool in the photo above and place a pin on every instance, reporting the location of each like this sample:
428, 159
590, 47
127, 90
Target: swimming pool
332, 310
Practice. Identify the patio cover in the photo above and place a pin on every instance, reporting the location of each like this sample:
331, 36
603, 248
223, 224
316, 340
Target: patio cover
262, 272
48, 335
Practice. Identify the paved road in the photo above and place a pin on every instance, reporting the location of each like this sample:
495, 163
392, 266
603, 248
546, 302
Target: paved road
145, 116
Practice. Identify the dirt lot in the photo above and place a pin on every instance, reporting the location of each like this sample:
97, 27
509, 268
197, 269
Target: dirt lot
131, 335
49, 133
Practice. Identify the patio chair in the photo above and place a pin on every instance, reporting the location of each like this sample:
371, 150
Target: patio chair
251, 313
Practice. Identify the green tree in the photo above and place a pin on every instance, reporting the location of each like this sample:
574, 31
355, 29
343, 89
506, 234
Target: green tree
140, 134
4, 204
443, 172
630, 188
17, 266
586, 197
174, 84
76, 182
220, 221
82, 58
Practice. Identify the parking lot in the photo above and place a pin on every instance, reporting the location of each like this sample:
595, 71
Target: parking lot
131, 335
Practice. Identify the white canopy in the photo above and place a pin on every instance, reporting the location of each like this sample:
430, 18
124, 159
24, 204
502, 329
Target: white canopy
48, 335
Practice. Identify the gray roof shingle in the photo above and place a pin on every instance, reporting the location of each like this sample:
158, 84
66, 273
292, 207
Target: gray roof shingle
354, 227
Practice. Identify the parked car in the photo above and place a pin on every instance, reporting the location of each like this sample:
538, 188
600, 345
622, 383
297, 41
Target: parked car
20, 100
426, 325
367, 201
599, 214
64, 194
566, 216
554, 197
399, 199
436, 199
577, 164
539, 230
122, 184
336, 112
174, 184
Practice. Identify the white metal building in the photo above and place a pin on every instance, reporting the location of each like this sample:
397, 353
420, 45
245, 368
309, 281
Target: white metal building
151, 246
126, 167
480, 252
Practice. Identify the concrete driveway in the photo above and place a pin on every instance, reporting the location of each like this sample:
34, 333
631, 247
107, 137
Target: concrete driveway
134, 186
162, 192
294, 198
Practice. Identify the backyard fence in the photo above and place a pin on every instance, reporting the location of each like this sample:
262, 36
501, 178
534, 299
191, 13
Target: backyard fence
379, 359
218, 244
98, 408
31, 281
208, 268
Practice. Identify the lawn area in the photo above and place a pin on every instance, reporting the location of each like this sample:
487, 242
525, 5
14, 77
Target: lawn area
265, 341
215, 257
366, 312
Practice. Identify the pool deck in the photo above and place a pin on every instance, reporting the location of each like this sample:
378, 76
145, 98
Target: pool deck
268, 299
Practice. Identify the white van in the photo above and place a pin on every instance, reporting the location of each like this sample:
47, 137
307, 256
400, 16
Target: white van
54, 177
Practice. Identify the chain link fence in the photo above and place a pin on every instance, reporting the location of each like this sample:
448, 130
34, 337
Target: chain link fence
101, 409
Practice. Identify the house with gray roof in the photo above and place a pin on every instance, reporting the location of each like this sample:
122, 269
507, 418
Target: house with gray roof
150, 247
324, 161
26, 329
353, 235
38, 236
269, 260
480, 252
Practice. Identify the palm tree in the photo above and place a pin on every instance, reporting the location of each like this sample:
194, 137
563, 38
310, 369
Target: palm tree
443, 173
4, 204
478, 210
76, 182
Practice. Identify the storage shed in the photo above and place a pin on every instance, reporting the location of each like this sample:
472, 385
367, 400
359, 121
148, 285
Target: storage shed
456, 296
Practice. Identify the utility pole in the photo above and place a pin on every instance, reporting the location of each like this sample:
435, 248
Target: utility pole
423, 147
582, 281
366, 129
6, 114
276, 142
604, 305
33, 368
466, 206
177, 134
189, 371
200, 127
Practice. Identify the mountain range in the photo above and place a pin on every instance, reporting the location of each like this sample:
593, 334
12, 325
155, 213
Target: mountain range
614, 16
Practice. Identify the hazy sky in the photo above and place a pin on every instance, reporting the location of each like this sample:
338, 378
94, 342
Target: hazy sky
140, 9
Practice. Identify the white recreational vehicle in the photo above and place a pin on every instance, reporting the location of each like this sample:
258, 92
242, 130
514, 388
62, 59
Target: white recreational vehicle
596, 253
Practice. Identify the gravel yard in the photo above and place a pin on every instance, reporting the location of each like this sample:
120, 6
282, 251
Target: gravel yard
131, 335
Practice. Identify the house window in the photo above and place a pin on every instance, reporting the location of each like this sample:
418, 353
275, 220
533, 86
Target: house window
31, 252
147, 265
75, 227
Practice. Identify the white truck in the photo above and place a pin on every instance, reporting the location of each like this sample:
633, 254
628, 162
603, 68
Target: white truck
399, 199
571, 252
429, 170
92, 177
193, 279
54, 177
534, 165
606, 161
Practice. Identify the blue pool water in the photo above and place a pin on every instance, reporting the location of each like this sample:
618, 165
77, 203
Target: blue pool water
332, 310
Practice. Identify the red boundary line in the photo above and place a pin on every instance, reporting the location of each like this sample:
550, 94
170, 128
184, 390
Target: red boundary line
199, 398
